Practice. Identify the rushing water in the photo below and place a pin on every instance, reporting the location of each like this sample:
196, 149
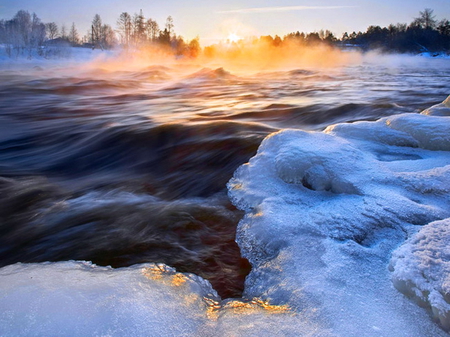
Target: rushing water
122, 166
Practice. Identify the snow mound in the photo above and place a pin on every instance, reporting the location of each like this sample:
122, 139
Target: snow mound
421, 269
325, 210
318, 163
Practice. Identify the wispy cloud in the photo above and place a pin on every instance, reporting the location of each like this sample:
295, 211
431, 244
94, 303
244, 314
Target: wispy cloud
280, 9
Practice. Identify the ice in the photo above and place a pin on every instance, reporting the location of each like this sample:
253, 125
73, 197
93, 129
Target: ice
77, 298
421, 269
442, 109
81, 299
325, 212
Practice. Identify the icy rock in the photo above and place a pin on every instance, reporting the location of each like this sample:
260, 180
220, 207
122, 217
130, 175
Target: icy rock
421, 269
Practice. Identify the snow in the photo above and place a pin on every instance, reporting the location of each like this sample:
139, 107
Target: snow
63, 56
442, 109
340, 225
421, 269
81, 299
324, 211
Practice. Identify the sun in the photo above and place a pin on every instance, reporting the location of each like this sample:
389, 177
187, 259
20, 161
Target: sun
232, 37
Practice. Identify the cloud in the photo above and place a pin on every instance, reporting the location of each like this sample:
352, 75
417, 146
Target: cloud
280, 9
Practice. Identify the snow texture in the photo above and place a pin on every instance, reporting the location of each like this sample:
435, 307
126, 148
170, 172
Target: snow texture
421, 269
324, 213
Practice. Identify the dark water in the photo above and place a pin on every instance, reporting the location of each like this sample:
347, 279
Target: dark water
127, 166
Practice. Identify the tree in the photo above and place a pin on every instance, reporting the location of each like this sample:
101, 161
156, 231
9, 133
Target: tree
169, 26
52, 30
426, 20
63, 33
313, 38
139, 33
194, 48
444, 27
37, 34
125, 28
74, 38
21, 29
107, 37
96, 31
152, 29
164, 37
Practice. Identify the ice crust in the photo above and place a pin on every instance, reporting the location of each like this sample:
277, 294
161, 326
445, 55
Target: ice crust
77, 298
325, 212
421, 269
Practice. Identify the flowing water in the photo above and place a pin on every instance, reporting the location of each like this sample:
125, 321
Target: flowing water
121, 166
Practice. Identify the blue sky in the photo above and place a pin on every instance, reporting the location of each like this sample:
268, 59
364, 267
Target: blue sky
213, 20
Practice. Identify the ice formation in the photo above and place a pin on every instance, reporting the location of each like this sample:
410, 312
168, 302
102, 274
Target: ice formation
421, 269
325, 212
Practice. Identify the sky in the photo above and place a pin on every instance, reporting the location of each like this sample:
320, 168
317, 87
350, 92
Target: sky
215, 20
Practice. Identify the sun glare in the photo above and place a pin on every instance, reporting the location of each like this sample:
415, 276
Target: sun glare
233, 38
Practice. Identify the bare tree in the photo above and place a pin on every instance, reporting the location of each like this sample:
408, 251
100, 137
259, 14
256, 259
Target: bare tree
107, 37
52, 30
125, 28
152, 29
169, 25
21, 30
139, 28
37, 34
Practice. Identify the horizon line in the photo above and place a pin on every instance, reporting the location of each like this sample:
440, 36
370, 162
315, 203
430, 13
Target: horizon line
280, 9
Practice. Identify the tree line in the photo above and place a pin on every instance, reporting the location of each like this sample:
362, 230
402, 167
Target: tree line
25, 34
423, 34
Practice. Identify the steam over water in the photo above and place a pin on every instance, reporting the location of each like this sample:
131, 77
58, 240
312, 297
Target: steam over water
122, 166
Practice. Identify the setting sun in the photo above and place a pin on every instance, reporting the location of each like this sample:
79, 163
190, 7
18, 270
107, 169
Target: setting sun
233, 38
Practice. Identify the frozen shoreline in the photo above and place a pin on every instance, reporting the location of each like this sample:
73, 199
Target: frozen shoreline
324, 212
